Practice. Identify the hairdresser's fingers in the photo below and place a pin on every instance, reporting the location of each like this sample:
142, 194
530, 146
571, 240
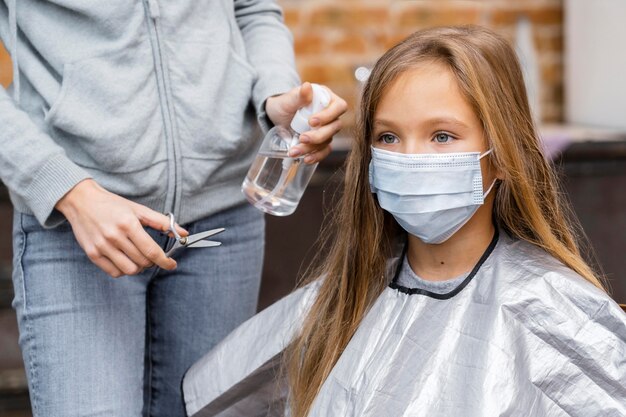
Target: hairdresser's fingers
151, 250
303, 97
317, 156
134, 254
155, 220
321, 136
332, 112
315, 140
106, 265
120, 242
281, 108
122, 253
120, 260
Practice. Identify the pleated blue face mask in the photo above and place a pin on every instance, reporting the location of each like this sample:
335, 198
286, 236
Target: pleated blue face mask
430, 195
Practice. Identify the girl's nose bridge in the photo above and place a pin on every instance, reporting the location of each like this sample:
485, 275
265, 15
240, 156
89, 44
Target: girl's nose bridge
415, 145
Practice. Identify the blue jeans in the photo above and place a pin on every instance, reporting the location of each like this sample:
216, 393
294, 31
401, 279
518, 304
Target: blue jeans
97, 346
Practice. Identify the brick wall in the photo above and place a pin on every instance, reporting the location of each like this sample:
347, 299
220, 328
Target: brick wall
334, 37
5, 67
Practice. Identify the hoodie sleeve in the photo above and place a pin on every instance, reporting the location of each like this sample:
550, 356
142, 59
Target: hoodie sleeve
32, 165
269, 47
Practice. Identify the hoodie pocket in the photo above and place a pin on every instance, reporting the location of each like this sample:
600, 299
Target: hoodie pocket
212, 86
107, 115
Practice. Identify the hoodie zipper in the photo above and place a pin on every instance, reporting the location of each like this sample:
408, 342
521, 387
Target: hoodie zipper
172, 200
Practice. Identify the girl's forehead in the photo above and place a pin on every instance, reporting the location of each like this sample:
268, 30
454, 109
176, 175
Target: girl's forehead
429, 91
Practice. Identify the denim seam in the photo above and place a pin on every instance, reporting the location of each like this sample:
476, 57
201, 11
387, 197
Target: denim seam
149, 361
32, 366
33, 371
149, 344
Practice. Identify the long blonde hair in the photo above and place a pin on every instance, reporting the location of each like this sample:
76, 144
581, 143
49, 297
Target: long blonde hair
528, 203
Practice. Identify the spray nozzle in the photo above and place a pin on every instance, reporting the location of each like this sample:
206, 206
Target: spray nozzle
321, 100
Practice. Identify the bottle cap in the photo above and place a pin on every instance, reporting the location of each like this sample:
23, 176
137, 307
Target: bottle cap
321, 100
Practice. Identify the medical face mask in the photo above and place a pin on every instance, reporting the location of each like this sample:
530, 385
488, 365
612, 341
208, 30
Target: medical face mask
430, 195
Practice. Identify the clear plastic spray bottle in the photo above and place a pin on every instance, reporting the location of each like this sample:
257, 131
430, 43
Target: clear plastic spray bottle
275, 182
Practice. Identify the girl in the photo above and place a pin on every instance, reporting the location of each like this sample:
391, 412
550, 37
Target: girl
455, 284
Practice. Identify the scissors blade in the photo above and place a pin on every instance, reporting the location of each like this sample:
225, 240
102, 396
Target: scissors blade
204, 244
173, 249
198, 237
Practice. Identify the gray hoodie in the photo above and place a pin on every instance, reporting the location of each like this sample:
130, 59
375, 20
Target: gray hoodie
157, 100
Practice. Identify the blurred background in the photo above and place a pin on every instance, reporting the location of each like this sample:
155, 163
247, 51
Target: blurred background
572, 54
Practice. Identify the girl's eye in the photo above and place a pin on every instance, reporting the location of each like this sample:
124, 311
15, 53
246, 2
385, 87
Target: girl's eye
442, 137
388, 139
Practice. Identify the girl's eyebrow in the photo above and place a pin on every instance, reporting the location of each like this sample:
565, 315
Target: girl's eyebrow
446, 121
383, 122
435, 121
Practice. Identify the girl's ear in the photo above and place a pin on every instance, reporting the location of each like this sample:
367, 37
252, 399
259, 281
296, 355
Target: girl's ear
499, 173
491, 158
493, 168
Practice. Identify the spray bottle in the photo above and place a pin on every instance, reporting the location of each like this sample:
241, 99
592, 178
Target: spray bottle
275, 182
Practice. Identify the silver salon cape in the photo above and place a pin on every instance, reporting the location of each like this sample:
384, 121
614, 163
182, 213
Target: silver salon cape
521, 336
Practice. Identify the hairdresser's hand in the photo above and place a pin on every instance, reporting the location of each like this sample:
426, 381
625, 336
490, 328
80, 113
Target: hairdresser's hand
314, 143
109, 229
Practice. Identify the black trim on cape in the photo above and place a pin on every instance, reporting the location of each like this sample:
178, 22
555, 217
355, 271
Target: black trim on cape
419, 291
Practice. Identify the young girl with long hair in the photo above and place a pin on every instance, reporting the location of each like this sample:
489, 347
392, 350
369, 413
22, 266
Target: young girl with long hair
454, 284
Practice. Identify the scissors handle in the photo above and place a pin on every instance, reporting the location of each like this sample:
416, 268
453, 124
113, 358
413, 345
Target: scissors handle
173, 227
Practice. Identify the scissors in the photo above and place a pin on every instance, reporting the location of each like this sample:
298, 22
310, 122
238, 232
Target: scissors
197, 240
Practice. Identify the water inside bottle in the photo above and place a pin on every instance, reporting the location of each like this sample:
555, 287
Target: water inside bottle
275, 183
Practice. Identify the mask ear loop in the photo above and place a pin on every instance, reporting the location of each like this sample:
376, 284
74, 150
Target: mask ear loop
485, 154
489, 189
485, 194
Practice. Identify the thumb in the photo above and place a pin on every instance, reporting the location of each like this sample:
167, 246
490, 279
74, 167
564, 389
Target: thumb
298, 98
305, 95
155, 220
